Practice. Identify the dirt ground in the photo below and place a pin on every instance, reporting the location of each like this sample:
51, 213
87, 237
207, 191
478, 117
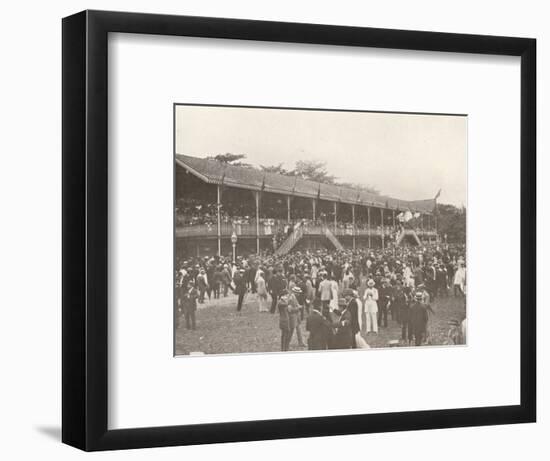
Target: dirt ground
220, 330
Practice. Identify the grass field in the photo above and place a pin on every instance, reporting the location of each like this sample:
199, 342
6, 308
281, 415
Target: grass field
220, 330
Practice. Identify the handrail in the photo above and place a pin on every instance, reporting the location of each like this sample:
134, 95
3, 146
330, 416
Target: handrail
333, 239
405, 232
292, 240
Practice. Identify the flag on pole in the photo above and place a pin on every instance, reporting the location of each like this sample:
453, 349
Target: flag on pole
438, 194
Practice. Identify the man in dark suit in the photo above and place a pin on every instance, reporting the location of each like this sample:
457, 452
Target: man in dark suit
210, 269
284, 321
343, 337
430, 280
418, 318
384, 298
276, 286
319, 329
401, 306
189, 303
353, 308
202, 284
441, 281
240, 288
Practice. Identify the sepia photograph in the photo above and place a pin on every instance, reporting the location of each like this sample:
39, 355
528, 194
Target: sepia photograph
300, 229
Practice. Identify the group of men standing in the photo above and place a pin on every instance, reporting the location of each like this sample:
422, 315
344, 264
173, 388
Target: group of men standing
340, 327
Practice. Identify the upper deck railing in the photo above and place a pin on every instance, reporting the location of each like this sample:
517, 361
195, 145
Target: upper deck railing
269, 230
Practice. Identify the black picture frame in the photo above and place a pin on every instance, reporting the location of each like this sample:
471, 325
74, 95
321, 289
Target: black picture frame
85, 224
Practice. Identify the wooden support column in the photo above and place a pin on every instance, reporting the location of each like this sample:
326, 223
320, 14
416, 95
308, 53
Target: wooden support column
288, 208
314, 203
393, 218
353, 223
382, 224
219, 205
368, 222
335, 223
257, 199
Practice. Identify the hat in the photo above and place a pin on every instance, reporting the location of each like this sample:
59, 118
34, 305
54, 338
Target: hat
453, 322
296, 290
418, 295
370, 283
241, 270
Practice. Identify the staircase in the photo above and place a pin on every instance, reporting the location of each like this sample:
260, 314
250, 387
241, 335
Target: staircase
333, 239
407, 232
291, 241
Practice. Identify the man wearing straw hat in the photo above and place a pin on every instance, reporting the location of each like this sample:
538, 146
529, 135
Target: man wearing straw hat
325, 290
294, 309
353, 307
418, 318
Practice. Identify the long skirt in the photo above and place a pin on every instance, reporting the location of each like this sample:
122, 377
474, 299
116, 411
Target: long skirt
263, 303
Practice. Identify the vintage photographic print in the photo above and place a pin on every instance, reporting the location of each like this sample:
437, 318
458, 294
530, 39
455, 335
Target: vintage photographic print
316, 229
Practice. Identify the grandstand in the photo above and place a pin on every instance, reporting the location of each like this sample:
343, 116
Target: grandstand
274, 212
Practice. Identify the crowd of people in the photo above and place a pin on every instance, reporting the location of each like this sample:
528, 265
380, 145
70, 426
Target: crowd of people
192, 212
336, 294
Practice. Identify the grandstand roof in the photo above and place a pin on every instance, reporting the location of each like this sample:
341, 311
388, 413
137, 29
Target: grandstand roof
214, 172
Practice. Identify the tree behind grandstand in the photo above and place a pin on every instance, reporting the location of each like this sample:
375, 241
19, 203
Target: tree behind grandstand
312, 170
452, 222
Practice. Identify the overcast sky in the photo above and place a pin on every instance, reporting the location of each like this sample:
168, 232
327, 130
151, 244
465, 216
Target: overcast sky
405, 156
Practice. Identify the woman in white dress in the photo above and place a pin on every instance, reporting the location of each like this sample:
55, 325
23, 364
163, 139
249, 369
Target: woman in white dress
333, 305
261, 290
370, 303
408, 279
459, 279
